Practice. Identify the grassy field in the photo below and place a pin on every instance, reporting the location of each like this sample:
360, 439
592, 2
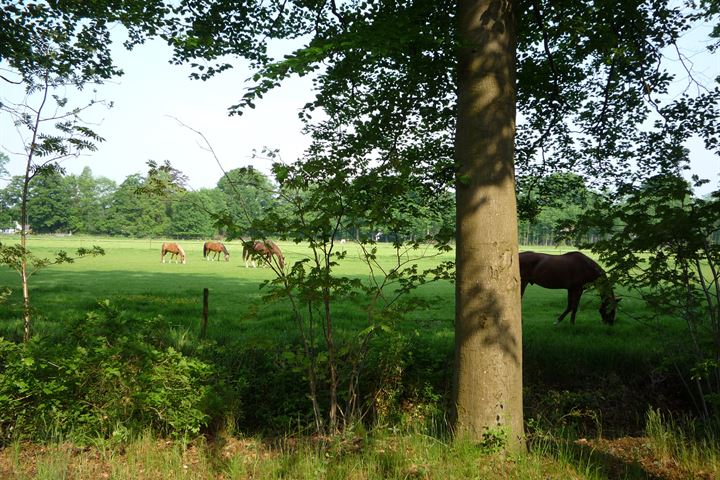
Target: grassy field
131, 273
583, 380
131, 276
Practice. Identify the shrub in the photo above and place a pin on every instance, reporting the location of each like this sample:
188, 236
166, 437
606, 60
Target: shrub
108, 375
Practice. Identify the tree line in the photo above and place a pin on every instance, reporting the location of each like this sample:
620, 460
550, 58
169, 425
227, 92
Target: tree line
61, 203
83, 203
86, 204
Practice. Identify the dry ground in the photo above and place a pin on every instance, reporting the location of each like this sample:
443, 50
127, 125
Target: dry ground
627, 457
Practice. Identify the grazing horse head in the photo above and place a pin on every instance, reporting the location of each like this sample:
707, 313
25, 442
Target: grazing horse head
608, 304
607, 310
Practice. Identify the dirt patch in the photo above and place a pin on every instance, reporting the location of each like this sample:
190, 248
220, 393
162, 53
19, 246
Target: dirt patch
635, 455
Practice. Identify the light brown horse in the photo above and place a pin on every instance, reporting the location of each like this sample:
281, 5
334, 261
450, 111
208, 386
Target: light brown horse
572, 271
216, 248
175, 251
266, 250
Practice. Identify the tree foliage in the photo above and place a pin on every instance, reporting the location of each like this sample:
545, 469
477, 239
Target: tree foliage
657, 240
69, 39
247, 194
593, 79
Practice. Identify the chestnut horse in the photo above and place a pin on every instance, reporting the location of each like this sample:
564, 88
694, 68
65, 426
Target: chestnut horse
174, 250
572, 271
216, 248
266, 250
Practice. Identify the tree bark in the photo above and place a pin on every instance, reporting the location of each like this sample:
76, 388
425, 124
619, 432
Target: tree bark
488, 336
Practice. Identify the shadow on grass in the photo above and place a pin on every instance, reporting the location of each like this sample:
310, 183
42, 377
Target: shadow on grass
58, 296
585, 458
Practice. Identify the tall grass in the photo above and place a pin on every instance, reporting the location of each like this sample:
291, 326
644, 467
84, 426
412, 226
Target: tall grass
694, 447
379, 455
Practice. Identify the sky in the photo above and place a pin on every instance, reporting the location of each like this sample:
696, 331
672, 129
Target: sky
153, 95
150, 98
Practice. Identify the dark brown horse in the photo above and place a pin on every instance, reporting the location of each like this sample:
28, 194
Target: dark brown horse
216, 248
266, 250
175, 251
572, 271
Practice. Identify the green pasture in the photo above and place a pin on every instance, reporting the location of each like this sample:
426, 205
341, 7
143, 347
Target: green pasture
131, 274
588, 356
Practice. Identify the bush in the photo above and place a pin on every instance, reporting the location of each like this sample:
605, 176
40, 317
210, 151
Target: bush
108, 375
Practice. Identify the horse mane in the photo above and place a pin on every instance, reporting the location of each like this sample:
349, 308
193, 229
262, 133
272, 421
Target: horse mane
180, 249
224, 249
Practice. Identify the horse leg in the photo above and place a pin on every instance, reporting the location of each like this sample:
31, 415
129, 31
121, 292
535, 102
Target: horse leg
249, 260
573, 303
162, 257
576, 304
569, 308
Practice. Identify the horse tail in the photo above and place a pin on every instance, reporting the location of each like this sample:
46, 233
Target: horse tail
205, 249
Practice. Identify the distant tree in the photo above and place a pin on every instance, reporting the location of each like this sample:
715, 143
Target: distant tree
247, 193
192, 215
50, 203
546, 203
10, 203
133, 214
90, 197
413, 214
106, 189
4, 159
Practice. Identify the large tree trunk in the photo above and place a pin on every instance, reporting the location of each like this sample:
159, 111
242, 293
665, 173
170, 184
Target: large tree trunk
488, 335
